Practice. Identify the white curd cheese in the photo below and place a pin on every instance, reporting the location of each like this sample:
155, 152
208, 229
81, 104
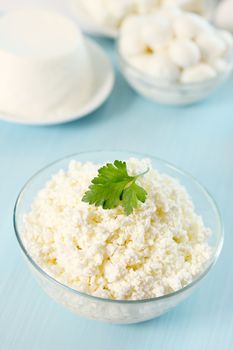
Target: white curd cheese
158, 249
44, 65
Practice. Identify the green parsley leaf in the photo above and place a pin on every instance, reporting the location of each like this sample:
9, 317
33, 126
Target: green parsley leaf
113, 187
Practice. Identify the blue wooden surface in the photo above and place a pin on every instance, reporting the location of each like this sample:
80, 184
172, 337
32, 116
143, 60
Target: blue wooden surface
199, 139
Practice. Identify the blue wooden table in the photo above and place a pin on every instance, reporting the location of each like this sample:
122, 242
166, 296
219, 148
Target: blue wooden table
198, 139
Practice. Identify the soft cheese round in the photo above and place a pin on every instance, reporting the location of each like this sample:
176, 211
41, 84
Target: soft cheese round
156, 250
44, 65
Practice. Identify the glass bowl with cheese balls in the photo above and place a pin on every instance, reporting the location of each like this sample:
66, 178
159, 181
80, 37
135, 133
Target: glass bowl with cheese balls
174, 57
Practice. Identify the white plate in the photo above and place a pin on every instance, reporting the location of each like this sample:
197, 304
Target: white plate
88, 24
101, 89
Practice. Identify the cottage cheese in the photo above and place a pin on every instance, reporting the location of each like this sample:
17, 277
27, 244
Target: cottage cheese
188, 48
158, 249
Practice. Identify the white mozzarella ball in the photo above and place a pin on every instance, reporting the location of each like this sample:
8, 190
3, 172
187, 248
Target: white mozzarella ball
192, 5
170, 11
228, 40
118, 8
198, 73
157, 31
132, 25
157, 66
142, 62
189, 26
211, 45
184, 53
164, 69
219, 64
131, 45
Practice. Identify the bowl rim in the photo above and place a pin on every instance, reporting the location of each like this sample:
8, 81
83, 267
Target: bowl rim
147, 78
195, 281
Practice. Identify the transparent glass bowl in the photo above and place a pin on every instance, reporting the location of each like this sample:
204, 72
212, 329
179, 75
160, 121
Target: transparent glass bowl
169, 93
117, 311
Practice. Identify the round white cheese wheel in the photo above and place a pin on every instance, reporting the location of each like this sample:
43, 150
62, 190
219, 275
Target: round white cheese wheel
44, 65
184, 53
197, 73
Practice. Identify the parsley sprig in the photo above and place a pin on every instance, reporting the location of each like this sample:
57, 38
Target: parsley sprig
113, 187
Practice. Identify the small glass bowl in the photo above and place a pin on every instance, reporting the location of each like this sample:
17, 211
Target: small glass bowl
117, 311
169, 93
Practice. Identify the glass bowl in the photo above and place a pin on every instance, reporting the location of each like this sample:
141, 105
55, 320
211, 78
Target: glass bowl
169, 93
118, 311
